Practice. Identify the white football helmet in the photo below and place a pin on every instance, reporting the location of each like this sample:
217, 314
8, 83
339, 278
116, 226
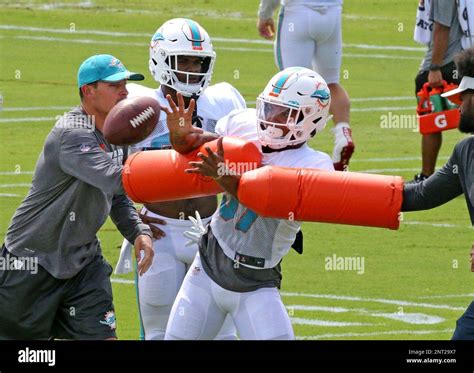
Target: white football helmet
296, 98
181, 37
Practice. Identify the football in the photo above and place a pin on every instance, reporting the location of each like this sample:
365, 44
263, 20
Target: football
131, 120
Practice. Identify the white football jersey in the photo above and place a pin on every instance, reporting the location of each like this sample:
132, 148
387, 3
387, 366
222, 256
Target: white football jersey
238, 229
214, 103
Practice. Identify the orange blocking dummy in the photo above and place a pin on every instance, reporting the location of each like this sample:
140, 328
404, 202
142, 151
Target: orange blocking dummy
323, 196
158, 175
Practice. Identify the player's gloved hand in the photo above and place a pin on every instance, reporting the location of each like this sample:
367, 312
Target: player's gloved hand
197, 230
344, 146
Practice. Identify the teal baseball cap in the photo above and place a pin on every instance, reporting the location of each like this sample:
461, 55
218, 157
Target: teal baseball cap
104, 67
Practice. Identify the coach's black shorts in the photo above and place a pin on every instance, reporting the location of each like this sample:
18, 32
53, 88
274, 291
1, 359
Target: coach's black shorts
448, 72
40, 306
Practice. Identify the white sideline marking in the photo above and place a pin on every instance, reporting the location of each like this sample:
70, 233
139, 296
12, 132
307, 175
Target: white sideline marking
45, 119
386, 47
46, 108
137, 44
383, 108
80, 41
411, 318
387, 98
193, 11
391, 332
392, 159
470, 295
122, 281
380, 170
299, 307
8, 195
31, 119
380, 56
38, 108
14, 185
215, 39
374, 300
16, 173
442, 225
316, 322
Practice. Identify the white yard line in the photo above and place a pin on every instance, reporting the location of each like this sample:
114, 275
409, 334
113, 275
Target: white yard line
45, 119
439, 225
469, 295
138, 44
299, 307
122, 281
36, 108
385, 98
406, 317
27, 120
384, 108
370, 334
382, 170
15, 185
215, 38
381, 56
47, 108
392, 159
372, 300
9, 195
16, 173
316, 322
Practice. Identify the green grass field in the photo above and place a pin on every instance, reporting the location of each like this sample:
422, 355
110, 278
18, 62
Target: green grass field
416, 281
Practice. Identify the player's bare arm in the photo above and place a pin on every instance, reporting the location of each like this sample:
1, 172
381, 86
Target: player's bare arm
152, 222
213, 165
440, 45
184, 137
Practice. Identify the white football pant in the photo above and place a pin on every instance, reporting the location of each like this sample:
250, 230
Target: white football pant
310, 38
202, 307
158, 287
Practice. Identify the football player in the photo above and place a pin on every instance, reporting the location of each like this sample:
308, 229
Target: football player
309, 34
237, 270
182, 61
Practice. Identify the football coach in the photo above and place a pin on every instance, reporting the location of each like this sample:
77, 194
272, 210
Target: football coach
76, 186
457, 175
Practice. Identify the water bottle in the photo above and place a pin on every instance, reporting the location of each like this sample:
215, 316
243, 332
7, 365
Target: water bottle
436, 101
423, 104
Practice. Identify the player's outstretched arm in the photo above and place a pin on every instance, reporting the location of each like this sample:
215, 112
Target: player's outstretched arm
213, 165
184, 137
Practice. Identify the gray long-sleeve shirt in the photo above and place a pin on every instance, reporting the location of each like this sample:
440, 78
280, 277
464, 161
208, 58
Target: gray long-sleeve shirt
456, 177
76, 185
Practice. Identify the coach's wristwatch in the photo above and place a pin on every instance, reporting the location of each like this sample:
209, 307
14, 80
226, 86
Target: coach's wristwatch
435, 67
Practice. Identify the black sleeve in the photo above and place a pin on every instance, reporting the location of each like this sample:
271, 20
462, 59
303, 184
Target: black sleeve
438, 189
